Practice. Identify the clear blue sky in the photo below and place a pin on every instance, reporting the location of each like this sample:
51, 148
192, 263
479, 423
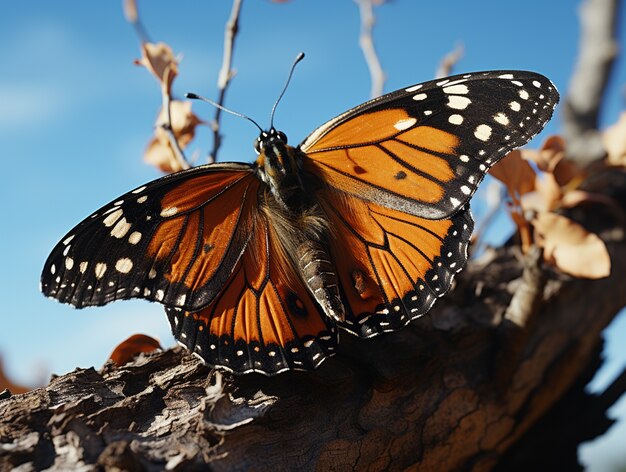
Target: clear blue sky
76, 114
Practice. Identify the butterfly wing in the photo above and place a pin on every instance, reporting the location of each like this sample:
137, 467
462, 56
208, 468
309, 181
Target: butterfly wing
175, 240
398, 172
391, 265
424, 149
264, 320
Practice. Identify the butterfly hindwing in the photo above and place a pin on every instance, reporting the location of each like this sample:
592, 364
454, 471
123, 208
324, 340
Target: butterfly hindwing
424, 149
264, 320
174, 240
392, 266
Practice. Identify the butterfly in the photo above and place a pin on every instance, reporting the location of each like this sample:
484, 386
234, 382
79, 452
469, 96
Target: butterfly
359, 228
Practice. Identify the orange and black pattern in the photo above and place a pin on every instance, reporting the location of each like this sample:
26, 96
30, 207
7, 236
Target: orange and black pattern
381, 193
264, 320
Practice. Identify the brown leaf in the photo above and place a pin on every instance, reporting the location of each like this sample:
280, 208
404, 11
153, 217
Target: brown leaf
161, 155
159, 152
614, 139
551, 158
570, 247
131, 347
183, 123
549, 190
515, 173
160, 61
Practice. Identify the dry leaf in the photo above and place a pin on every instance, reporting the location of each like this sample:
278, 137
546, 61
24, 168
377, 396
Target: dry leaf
183, 123
614, 139
160, 61
551, 158
549, 190
515, 173
131, 347
160, 155
159, 152
570, 247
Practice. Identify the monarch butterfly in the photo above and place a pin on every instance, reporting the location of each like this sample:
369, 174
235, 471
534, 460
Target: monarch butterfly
361, 227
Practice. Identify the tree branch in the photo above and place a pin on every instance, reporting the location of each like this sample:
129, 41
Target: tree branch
366, 41
226, 74
581, 107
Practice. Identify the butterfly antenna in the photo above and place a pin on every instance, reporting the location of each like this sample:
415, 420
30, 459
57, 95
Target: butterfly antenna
195, 96
299, 57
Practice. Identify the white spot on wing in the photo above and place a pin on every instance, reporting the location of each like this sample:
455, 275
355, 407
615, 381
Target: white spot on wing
100, 269
458, 103
455, 119
67, 240
506, 76
414, 88
536, 83
515, 106
460, 89
483, 132
124, 265
142, 199
419, 96
139, 190
523, 94
134, 237
120, 229
169, 211
501, 118
455, 202
82, 267
69, 263
401, 125
112, 218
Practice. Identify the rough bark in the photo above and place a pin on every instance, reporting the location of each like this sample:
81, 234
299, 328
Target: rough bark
453, 391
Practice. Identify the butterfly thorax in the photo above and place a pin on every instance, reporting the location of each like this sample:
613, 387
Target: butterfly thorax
297, 219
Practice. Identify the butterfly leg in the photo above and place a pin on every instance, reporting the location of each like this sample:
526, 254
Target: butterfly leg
319, 275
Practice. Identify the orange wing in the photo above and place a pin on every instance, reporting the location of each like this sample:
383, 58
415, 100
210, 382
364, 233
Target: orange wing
175, 240
392, 266
424, 149
264, 320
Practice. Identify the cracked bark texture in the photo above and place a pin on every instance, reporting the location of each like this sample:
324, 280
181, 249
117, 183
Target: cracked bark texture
455, 390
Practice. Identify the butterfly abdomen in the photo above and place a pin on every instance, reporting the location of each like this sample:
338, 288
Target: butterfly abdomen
318, 272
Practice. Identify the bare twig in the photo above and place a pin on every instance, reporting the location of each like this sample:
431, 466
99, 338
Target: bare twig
598, 49
449, 61
167, 126
366, 8
226, 73
132, 16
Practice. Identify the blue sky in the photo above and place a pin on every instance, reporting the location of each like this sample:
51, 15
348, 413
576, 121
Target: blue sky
76, 114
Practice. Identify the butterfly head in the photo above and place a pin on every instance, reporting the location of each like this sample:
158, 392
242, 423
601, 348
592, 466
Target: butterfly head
269, 138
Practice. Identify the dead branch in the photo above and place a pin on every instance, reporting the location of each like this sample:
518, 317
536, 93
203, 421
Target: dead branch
597, 52
366, 41
226, 74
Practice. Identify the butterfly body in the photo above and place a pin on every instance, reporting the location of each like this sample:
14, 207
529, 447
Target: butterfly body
302, 229
360, 227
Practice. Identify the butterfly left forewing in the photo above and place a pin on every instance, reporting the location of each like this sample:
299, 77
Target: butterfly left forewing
264, 320
174, 240
392, 266
424, 149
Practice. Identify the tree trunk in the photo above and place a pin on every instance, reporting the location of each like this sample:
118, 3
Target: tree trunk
454, 390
